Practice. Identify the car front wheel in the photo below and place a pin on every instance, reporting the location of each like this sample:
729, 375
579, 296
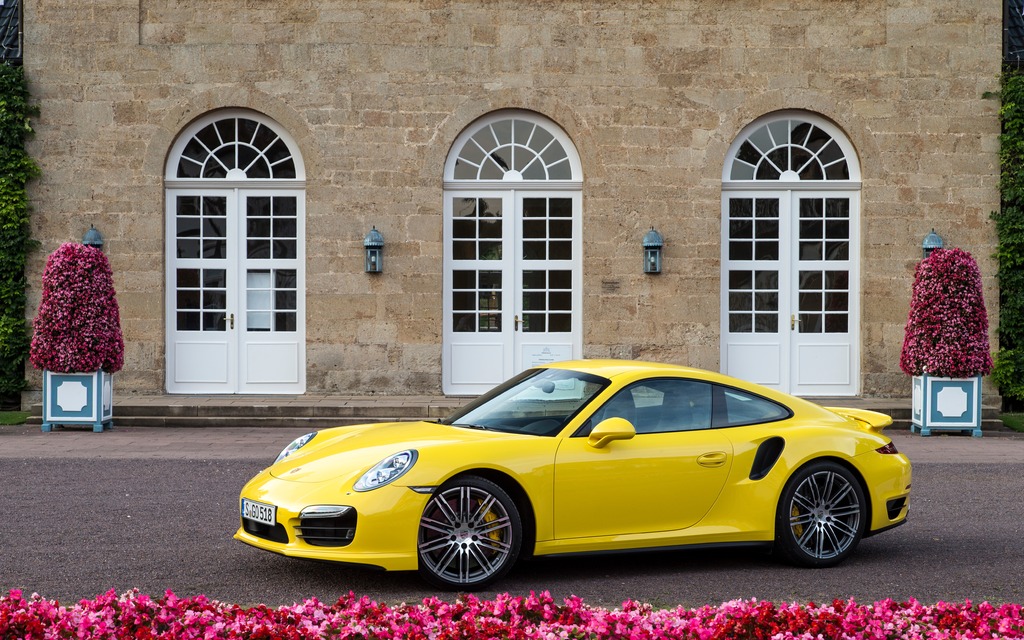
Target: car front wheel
821, 516
470, 534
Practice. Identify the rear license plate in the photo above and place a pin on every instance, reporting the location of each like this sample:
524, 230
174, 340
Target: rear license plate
259, 512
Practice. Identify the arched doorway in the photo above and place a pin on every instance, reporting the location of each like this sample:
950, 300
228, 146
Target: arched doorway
235, 258
512, 250
790, 296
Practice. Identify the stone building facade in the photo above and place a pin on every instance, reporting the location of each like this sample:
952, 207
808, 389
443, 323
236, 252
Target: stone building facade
234, 153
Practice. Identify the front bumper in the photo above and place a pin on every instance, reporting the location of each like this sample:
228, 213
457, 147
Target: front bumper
378, 530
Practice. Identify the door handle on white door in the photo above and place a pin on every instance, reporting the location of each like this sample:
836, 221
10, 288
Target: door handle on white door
516, 322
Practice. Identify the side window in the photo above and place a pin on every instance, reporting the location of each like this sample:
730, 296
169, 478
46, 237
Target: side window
660, 406
735, 408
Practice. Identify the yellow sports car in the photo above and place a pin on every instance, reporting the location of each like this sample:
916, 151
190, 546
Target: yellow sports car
579, 457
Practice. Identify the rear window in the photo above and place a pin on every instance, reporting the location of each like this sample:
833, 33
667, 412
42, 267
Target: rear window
734, 408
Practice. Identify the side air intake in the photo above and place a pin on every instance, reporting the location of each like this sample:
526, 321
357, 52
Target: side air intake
766, 457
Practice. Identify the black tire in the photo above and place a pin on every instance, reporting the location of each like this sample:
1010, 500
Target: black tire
821, 516
470, 535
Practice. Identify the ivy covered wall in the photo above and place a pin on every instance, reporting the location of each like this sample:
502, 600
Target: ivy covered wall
1009, 371
16, 169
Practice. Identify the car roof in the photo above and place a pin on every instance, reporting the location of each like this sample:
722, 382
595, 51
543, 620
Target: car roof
610, 368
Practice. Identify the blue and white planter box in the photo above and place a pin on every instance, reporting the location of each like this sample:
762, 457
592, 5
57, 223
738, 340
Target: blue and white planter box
946, 404
78, 399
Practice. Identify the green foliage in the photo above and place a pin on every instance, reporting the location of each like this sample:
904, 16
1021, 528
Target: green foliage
16, 169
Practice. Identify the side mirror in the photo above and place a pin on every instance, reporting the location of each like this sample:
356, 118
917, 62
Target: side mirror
610, 429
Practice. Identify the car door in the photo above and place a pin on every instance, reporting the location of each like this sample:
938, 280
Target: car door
665, 478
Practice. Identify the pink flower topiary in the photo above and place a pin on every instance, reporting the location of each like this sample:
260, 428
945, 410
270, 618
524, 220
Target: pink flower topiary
947, 327
78, 325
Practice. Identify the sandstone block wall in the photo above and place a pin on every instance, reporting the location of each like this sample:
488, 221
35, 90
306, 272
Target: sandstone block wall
652, 93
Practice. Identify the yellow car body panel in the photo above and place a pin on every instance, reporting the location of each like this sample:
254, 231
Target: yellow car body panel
634, 492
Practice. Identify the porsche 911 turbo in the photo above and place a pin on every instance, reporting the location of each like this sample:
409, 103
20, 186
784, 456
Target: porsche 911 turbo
582, 457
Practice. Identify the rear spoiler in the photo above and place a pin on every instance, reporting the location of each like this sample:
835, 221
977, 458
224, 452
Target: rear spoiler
872, 420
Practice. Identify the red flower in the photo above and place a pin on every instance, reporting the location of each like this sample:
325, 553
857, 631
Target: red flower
78, 324
947, 327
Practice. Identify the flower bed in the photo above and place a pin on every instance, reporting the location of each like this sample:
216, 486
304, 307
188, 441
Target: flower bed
138, 616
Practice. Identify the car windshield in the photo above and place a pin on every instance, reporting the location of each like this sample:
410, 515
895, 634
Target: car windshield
537, 401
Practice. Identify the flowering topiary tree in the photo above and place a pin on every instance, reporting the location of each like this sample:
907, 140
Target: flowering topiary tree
947, 327
78, 325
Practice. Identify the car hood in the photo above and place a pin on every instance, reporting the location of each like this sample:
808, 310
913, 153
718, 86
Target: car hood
345, 452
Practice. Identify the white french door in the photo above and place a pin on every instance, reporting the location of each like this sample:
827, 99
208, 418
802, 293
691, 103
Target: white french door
235, 291
790, 290
512, 294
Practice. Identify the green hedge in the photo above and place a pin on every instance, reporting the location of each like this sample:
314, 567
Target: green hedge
1009, 370
16, 169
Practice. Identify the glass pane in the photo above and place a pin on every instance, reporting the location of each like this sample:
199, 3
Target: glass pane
560, 250
490, 279
560, 301
534, 280
285, 228
257, 321
810, 208
837, 301
490, 301
215, 299
464, 322
257, 228
188, 277
215, 278
810, 301
768, 229
766, 323
214, 249
285, 279
464, 279
464, 228
489, 208
741, 323
741, 250
490, 322
811, 250
214, 228
464, 250
766, 301
810, 280
464, 301
811, 229
535, 229
535, 207
767, 250
810, 323
188, 321
767, 208
259, 300
490, 228
560, 279
188, 227
837, 280
188, 248
285, 321
837, 250
285, 249
837, 229
740, 302
257, 249
741, 229
534, 323
559, 323
188, 299
214, 321
490, 251
766, 280
534, 301
560, 228
836, 323
741, 280
741, 208
560, 207
534, 250
285, 300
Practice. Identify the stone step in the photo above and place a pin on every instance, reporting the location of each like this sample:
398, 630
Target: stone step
319, 412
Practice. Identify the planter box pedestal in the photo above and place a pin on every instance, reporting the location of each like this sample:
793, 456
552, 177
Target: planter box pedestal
78, 399
946, 404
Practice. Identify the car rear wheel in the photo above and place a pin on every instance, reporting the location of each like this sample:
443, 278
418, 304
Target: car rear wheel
821, 516
470, 534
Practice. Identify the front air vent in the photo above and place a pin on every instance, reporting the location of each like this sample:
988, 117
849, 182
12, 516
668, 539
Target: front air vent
333, 531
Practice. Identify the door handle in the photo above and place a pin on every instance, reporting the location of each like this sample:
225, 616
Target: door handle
230, 321
516, 322
713, 459
793, 322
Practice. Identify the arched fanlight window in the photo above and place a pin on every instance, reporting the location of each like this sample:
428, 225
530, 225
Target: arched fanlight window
236, 148
791, 149
511, 148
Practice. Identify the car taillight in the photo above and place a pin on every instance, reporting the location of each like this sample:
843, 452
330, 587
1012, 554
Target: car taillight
889, 448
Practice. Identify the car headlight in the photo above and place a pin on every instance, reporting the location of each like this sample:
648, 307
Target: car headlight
387, 470
296, 444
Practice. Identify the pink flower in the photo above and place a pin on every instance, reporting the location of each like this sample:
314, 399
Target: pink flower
78, 324
947, 326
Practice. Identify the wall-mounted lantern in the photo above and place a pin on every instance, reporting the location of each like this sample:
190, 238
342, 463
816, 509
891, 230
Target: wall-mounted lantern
652, 251
932, 241
93, 238
374, 245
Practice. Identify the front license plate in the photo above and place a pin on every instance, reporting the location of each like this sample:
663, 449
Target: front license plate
259, 512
